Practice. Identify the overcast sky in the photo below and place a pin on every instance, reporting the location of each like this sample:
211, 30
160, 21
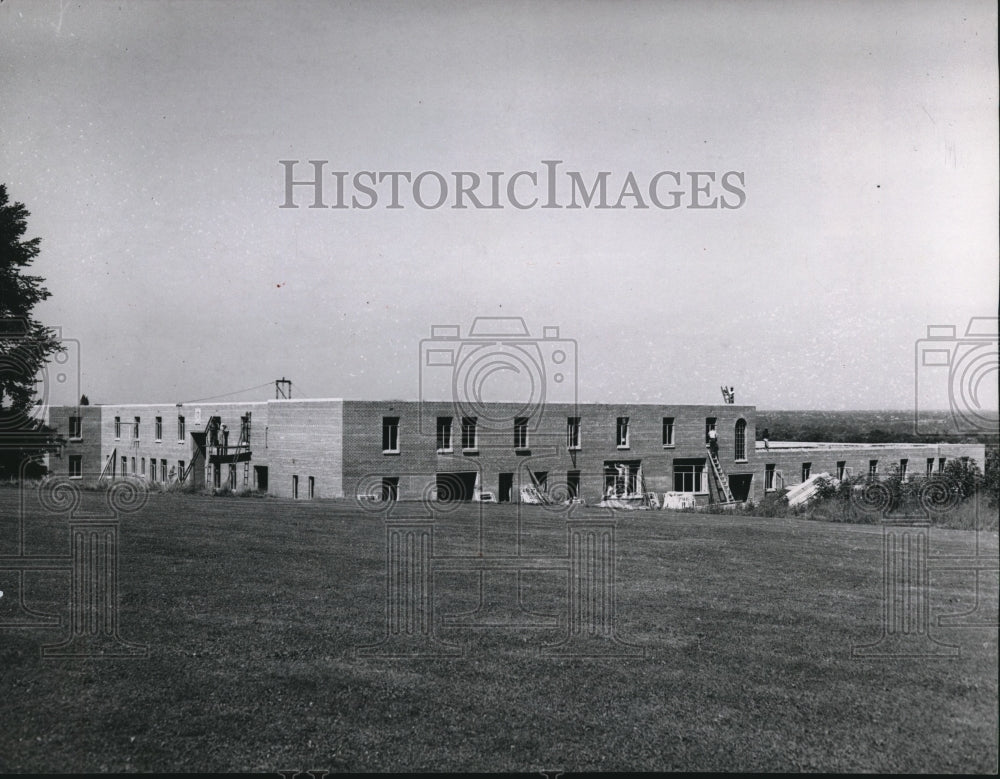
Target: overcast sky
145, 139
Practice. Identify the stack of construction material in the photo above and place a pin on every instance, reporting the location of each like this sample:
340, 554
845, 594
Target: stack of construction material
629, 504
678, 500
532, 496
801, 493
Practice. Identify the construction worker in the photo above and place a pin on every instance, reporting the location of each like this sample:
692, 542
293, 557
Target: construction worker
765, 436
225, 439
713, 441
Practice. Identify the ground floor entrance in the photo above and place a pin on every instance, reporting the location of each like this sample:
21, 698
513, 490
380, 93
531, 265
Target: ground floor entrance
505, 493
739, 484
456, 486
390, 488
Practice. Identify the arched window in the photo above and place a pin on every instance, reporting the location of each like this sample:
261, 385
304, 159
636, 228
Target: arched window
741, 439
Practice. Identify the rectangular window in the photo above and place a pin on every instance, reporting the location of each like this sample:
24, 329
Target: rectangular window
295, 486
133, 465
769, 477
573, 432
469, 433
940, 465
163, 470
872, 468
180, 470
118, 428
572, 484
159, 429
903, 463
930, 465
841, 469
622, 479
76, 466
76, 427
142, 466
152, 469
390, 435
668, 431
806, 471
135, 429
444, 434
312, 487
216, 475
124, 466
689, 477
520, 432
621, 433
180, 429
232, 478
390, 488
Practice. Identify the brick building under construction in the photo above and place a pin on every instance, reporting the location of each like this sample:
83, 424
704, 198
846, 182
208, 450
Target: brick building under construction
397, 449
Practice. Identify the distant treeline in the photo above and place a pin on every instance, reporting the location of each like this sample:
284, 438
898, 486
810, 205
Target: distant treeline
866, 427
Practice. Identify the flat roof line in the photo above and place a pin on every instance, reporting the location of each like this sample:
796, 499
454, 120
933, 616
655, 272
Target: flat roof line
582, 404
787, 446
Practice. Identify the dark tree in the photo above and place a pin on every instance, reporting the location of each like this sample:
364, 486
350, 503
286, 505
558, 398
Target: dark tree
991, 475
964, 476
25, 346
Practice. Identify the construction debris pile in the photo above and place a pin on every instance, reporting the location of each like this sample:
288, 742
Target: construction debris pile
802, 493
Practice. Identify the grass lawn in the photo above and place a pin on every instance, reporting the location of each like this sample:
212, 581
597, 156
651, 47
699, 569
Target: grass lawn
251, 610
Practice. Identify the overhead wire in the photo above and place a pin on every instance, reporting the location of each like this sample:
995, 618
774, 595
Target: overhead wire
230, 394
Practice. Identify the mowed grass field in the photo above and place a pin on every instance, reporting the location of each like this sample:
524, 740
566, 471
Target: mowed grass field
251, 610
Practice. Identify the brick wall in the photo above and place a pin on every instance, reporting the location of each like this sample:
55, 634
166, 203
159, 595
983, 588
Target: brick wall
417, 462
87, 446
338, 444
305, 440
788, 462
99, 441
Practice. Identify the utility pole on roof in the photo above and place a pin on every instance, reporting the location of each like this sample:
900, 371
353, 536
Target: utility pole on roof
282, 388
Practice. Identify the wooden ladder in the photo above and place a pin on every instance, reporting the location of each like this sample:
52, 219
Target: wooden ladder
245, 442
109, 465
720, 477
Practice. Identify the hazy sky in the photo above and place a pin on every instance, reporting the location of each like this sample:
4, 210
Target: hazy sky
145, 140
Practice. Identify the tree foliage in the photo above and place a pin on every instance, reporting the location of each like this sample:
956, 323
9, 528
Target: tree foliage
825, 489
991, 476
964, 475
25, 344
